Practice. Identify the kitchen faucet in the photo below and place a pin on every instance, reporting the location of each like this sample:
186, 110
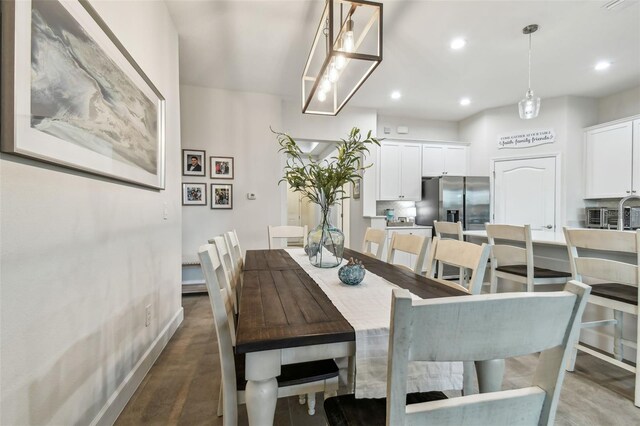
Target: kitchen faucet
621, 208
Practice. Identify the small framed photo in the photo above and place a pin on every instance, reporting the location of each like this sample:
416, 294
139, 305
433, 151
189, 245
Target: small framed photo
221, 196
194, 194
356, 189
221, 167
193, 162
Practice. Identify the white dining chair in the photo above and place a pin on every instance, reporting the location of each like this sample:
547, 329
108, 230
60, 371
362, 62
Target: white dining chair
448, 230
412, 244
463, 255
510, 262
226, 261
449, 329
466, 256
285, 232
234, 248
615, 285
295, 379
374, 236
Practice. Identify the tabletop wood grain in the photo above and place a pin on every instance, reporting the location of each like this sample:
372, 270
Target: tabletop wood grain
282, 307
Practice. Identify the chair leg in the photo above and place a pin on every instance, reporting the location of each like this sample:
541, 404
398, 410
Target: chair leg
467, 377
637, 390
220, 410
311, 403
617, 337
494, 282
302, 399
571, 361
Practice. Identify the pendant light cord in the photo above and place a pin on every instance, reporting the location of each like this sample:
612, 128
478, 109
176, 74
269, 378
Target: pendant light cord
529, 61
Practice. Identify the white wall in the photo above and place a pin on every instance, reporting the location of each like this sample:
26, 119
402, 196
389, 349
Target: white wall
82, 256
437, 130
619, 105
234, 124
566, 115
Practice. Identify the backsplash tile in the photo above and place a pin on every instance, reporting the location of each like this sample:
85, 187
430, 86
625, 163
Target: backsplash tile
402, 208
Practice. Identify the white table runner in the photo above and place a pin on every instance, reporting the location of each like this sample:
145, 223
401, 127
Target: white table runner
367, 307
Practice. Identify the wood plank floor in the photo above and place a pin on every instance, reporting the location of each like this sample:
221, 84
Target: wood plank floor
182, 387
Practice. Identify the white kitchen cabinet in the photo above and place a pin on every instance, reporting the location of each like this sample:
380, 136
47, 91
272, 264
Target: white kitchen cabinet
401, 258
400, 166
612, 160
439, 160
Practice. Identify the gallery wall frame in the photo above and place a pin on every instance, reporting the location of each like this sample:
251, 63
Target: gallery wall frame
222, 167
222, 196
95, 110
194, 194
193, 162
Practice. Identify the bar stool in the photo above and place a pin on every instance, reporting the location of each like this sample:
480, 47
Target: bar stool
515, 263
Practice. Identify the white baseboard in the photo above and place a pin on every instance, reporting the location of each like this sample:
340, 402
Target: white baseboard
119, 399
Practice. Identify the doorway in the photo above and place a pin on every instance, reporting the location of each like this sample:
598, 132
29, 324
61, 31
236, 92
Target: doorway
526, 190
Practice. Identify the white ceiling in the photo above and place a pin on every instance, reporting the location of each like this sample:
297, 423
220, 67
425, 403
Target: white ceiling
261, 46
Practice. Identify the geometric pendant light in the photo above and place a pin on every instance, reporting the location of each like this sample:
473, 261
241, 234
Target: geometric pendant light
529, 107
347, 47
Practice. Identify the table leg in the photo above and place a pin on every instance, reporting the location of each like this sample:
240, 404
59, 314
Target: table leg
261, 399
261, 370
490, 374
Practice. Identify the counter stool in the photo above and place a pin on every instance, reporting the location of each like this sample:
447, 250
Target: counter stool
618, 292
516, 263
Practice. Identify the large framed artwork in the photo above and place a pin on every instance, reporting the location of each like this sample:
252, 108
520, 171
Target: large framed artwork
73, 95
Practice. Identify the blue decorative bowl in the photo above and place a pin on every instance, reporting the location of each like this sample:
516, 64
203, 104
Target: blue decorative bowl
351, 274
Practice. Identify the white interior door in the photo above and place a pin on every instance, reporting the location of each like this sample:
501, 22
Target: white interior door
525, 192
294, 214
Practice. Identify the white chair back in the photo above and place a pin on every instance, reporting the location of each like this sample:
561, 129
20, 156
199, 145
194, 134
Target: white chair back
449, 230
222, 306
285, 232
234, 249
463, 255
587, 266
232, 276
448, 329
374, 236
412, 244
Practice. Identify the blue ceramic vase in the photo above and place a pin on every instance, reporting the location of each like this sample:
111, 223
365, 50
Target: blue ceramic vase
351, 273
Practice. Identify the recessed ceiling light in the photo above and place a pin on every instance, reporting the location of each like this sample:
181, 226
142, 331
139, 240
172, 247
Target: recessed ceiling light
458, 43
465, 101
396, 94
602, 65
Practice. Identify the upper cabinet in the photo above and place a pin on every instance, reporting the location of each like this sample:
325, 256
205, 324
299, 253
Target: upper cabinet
612, 160
400, 171
439, 160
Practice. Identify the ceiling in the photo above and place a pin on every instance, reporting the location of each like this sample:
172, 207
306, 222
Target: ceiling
261, 46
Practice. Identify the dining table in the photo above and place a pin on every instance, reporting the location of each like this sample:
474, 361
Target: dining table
286, 318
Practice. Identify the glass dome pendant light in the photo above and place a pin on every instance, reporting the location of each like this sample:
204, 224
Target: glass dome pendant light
529, 107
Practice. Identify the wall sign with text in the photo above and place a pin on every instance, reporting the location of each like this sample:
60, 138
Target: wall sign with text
526, 139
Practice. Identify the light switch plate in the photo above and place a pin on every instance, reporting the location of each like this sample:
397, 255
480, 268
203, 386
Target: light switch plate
251, 196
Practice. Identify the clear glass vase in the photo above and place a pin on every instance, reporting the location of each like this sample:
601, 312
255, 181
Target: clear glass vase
325, 243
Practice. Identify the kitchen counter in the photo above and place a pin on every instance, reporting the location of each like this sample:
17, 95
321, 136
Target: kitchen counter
537, 237
408, 227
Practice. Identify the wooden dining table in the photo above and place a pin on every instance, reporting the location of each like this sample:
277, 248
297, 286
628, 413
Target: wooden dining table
286, 318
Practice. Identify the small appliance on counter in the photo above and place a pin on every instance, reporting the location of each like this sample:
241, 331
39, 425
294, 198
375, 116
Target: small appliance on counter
390, 214
604, 218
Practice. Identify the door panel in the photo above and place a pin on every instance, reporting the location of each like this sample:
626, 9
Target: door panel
455, 160
609, 160
411, 179
390, 171
432, 160
525, 192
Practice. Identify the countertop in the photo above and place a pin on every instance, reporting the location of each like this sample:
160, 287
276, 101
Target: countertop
408, 227
538, 237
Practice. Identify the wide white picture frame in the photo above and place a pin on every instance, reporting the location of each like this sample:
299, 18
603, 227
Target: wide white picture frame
121, 155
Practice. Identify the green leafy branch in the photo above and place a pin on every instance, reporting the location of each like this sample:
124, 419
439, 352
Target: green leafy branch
322, 182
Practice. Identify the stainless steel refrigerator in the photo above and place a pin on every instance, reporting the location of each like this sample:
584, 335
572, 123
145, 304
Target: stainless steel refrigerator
454, 198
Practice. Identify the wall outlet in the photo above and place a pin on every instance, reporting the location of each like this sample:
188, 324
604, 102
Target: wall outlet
147, 317
251, 196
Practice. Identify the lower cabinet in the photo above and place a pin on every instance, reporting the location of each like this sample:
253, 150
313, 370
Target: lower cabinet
401, 258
